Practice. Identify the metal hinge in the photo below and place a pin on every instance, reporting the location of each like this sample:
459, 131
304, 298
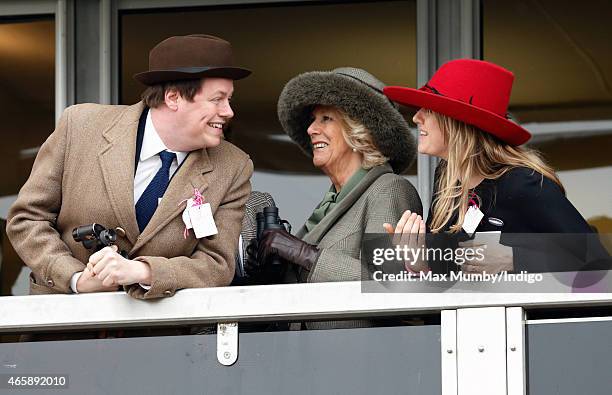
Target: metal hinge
227, 343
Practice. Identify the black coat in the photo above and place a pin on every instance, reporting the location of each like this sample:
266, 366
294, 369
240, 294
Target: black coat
546, 231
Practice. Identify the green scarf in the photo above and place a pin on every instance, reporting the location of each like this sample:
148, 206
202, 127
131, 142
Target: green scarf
332, 198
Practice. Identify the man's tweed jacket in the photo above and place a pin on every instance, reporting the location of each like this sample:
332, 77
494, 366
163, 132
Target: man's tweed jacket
84, 173
380, 197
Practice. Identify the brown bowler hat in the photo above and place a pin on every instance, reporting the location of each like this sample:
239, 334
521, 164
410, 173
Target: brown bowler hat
191, 57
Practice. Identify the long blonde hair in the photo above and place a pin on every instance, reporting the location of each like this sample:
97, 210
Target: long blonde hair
474, 152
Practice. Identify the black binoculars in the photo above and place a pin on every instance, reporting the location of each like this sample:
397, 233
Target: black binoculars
269, 219
95, 237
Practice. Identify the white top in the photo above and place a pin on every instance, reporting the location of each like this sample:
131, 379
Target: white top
149, 162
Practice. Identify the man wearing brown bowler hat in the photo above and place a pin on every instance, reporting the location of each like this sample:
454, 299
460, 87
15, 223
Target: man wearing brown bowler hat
140, 168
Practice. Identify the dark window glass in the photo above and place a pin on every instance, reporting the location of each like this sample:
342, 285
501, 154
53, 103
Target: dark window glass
279, 42
27, 97
560, 53
27, 77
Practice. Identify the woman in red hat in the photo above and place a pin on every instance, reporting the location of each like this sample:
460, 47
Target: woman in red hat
487, 180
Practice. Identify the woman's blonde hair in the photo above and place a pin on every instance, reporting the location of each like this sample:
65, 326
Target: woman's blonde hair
359, 138
474, 152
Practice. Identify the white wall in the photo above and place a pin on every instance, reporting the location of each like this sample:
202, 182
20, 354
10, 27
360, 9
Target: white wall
590, 190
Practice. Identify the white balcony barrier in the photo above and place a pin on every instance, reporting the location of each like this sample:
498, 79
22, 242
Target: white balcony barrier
466, 314
267, 303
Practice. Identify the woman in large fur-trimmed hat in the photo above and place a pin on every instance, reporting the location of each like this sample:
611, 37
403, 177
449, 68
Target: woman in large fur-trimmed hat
356, 136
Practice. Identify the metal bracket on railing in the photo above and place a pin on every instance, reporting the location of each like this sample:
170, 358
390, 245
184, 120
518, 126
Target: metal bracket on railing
481, 351
227, 343
515, 352
448, 341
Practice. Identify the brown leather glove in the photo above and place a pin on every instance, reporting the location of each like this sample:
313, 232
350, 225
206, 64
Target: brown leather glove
261, 272
281, 243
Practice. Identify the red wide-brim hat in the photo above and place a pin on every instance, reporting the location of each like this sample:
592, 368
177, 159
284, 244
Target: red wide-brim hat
471, 91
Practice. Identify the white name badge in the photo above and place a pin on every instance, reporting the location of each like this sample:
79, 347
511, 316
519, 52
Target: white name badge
202, 220
186, 218
472, 220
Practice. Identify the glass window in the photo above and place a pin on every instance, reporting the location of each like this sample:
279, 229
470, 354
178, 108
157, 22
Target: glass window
27, 75
560, 53
279, 42
27, 78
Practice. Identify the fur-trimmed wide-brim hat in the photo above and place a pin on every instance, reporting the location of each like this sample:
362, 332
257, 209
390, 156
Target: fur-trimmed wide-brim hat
357, 93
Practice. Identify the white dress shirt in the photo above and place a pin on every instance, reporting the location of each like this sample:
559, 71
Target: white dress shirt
149, 164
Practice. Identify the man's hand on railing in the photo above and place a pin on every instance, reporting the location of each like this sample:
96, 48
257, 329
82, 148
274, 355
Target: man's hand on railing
88, 282
113, 269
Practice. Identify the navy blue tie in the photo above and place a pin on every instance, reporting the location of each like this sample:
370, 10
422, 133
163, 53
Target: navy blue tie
147, 204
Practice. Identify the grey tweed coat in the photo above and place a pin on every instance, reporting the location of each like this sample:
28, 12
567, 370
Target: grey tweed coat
380, 197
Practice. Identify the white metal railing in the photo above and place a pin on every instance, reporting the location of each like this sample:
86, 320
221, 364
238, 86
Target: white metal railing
483, 330
263, 303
